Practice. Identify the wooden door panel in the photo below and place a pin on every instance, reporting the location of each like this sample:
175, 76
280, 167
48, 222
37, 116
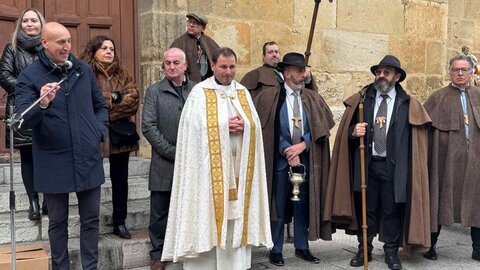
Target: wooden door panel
87, 17
99, 8
84, 19
11, 8
6, 30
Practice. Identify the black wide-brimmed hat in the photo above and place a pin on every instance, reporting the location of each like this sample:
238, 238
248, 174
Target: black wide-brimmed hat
292, 59
391, 61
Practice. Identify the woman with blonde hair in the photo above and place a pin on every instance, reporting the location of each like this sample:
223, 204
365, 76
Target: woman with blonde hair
17, 55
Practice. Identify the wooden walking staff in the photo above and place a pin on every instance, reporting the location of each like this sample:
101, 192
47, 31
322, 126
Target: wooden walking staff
312, 30
363, 182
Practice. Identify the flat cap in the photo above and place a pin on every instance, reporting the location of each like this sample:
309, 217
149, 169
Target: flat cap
199, 17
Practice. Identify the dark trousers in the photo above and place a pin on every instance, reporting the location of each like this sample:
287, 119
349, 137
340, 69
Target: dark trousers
380, 203
26, 159
159, 204
88, 208
283, 193
119, 178
474, 233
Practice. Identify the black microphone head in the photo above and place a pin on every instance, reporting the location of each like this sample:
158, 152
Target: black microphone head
67, 65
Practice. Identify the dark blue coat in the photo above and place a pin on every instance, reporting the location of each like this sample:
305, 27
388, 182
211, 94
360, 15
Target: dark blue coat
66, 135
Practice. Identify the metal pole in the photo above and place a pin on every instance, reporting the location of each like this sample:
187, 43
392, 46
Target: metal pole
12, 198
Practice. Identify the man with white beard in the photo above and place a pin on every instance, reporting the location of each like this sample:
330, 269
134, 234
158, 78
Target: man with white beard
395, 131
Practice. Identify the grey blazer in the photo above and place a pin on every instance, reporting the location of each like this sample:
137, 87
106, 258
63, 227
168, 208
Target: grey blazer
161, 114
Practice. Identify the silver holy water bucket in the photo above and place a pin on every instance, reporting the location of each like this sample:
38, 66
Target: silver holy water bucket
296, 179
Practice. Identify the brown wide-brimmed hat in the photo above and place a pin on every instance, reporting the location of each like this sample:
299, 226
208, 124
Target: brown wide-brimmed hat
391, 61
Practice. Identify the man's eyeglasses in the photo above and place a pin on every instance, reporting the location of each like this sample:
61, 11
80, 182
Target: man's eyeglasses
192, 22
463, 70
385, 72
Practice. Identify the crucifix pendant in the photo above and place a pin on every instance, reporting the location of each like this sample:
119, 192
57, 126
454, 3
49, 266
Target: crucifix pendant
296, 121
465, 116
381, 120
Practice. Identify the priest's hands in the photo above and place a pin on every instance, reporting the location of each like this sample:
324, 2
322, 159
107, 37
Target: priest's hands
359, 130
292, 153
235, 124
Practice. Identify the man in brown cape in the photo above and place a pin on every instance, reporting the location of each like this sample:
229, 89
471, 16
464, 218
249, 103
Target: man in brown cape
395, 165
198, 47
275, 106
268, 75
454, 154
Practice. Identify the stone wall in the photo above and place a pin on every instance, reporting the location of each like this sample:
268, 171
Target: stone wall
350, 36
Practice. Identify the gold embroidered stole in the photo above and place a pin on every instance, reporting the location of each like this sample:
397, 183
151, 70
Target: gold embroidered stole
216, 168
233, 192
250, 163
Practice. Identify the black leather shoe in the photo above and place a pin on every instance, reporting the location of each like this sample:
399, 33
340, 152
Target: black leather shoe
306, 255
476, 256
121, 231
34, 210
431, 254
393, 262
358, 259
44, 208
276, 259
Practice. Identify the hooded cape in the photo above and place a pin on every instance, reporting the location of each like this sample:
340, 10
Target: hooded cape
454, 166
339, 205
320, 119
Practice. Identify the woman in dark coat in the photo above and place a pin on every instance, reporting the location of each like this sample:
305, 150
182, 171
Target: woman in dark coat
17, 55
122, 97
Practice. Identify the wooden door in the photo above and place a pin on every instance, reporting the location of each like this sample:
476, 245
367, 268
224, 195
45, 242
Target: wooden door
84, 19
88, 18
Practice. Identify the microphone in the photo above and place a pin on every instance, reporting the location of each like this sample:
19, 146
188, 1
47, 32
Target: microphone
62, 66
66, 65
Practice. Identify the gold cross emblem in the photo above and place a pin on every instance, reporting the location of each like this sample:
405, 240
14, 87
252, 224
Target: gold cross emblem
296, 121
381, 120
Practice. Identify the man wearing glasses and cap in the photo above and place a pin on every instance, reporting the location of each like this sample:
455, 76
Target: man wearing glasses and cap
296, 125
395, 132
197, 46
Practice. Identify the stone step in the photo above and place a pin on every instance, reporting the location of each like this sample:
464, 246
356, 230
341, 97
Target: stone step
133, 254
28, 231
137, 166
137, 190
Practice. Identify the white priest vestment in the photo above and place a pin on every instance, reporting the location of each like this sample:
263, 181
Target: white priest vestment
219, 200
